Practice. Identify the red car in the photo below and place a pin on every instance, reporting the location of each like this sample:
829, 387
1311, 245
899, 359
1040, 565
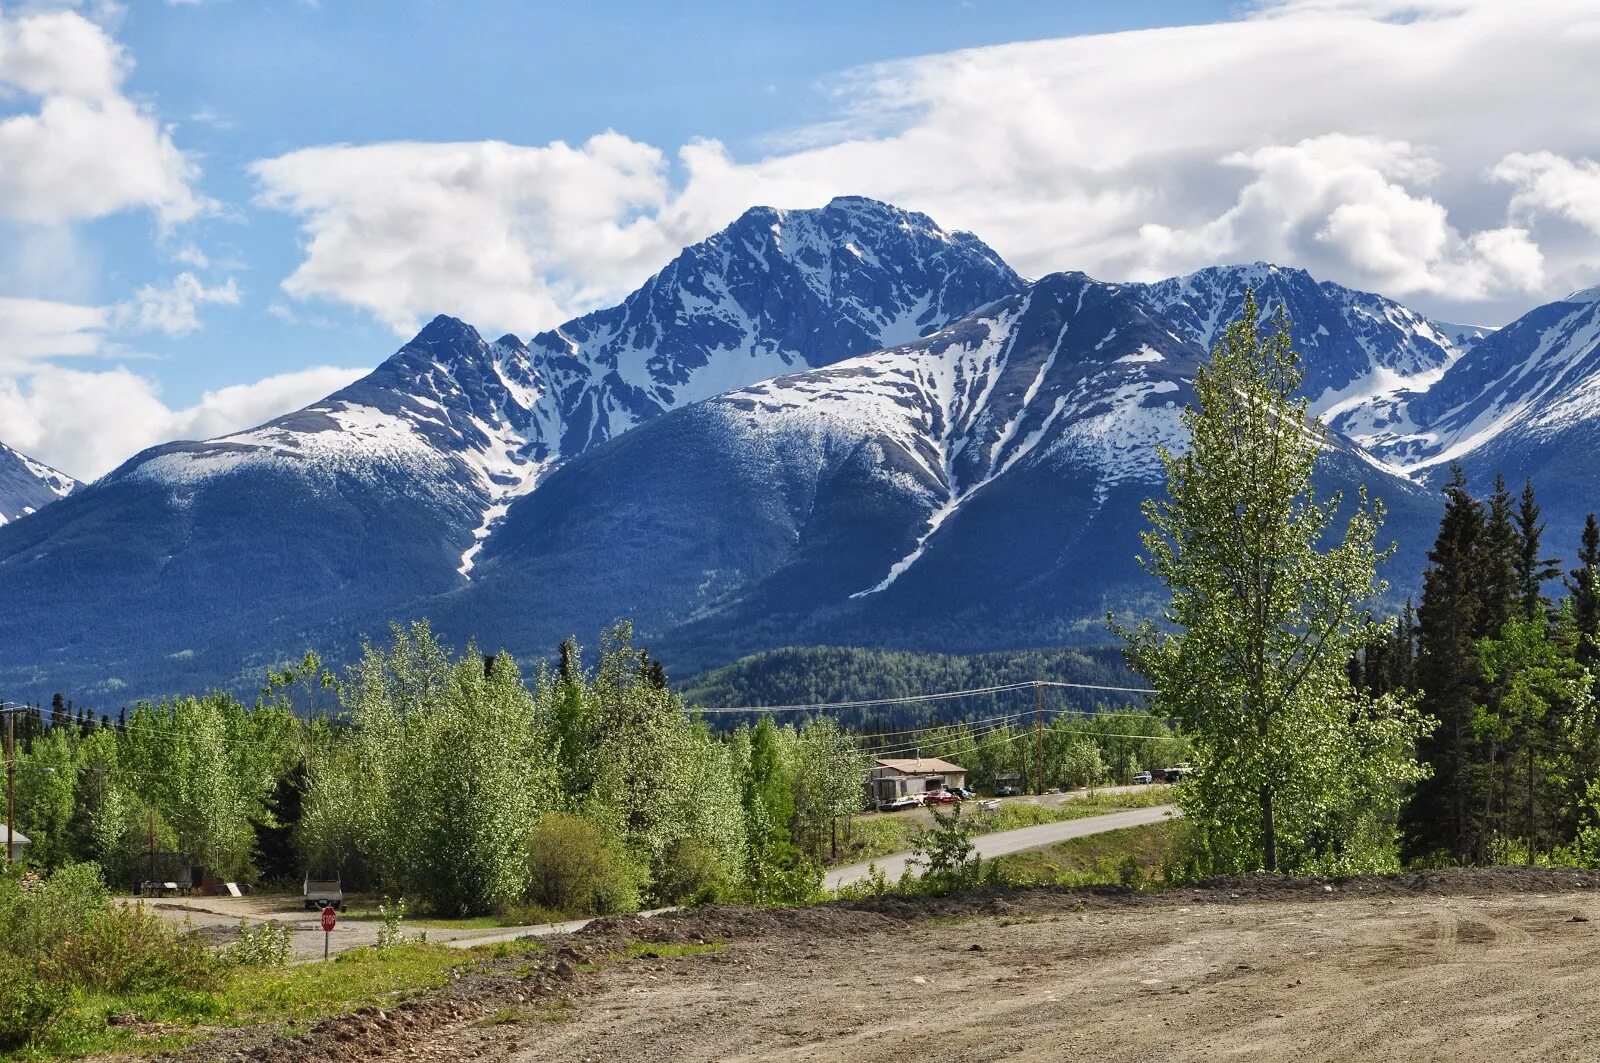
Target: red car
941, 797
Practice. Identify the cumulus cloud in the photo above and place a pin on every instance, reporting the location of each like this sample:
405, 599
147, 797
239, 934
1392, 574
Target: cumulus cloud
83, 149
174, 309
1354, 137
45, 413
1549, 183
1353, 196
501, 234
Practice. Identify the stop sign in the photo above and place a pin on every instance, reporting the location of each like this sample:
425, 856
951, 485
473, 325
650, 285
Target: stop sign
327, 919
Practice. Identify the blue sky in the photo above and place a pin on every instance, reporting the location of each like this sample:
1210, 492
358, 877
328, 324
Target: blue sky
216, 211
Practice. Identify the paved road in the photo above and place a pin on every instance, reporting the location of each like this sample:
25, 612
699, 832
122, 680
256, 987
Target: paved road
1012, 841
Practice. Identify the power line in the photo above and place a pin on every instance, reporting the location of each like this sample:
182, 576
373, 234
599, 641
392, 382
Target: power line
917, 698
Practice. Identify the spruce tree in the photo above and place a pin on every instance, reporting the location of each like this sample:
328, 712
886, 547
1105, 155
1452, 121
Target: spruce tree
1532, 570
1583, 583
1447, 671
1497, 553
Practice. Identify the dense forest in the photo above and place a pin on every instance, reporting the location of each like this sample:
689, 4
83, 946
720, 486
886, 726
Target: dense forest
813, 675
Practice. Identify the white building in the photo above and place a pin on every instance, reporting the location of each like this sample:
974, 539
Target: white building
892, 778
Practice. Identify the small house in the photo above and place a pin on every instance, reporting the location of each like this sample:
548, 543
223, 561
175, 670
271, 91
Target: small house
19, 843
897, 777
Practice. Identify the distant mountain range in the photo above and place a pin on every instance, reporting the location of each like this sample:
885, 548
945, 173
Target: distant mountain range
841, 425
27, 486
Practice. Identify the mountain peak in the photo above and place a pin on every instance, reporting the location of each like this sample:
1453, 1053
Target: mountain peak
446, 331
27, 486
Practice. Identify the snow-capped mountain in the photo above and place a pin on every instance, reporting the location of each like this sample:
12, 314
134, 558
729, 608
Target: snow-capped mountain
222, 554
1527, 383
1524, 403
979, 487
474, 425
776, 292
1361, 352
27, 486
842, 425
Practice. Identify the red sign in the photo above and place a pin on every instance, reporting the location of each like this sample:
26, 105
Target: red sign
327, 919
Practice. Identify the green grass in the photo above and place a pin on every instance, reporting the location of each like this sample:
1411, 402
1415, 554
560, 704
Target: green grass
875, 836
1132, 856
663, 951
285, 996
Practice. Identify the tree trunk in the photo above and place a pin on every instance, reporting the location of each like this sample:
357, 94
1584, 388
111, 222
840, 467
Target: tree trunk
1269, 832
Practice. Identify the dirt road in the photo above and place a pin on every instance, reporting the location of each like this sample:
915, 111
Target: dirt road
218, 918
1002, 842
1496, 967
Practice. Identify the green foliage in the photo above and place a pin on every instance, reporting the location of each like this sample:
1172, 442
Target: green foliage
573, 869
822, 674
432, 783
267, 944
1296, 768
62, 937
391, 931
948, 859
1512, 682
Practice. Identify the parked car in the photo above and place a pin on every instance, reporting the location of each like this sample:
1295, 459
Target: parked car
1142, 777
1006, 791
941, 797
896, 804
965, 792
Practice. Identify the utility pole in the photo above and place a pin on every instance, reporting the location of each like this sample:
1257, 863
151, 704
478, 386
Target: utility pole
1038, 736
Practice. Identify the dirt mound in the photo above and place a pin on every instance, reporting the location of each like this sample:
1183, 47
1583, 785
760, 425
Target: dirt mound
846, 918
508, 990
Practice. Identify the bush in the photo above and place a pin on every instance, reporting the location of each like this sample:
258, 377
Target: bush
263, 945
949, 860
572, 869
27, 1006
69, 932
690, 872
390, 934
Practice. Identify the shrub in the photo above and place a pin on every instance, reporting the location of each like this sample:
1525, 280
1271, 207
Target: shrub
390, 935
27, 1005
263, 945
949, 859
572, 869
690, 872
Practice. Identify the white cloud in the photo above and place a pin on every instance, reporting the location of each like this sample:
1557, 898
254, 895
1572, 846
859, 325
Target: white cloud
45, 413
1354, 137
31, 329
1549, 183
85, 150
1350, 195
500, 234
173, 310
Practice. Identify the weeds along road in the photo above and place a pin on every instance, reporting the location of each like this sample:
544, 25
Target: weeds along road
1002, 842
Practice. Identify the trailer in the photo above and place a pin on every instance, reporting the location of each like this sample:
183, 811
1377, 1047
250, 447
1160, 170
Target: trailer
319, 893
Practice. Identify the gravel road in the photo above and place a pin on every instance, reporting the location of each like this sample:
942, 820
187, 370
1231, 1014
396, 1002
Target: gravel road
1011, 841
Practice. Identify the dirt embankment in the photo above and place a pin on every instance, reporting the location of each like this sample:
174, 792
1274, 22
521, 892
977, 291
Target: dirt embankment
1496, 964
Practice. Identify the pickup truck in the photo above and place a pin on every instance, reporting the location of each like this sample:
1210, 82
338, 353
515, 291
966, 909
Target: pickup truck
320, 893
